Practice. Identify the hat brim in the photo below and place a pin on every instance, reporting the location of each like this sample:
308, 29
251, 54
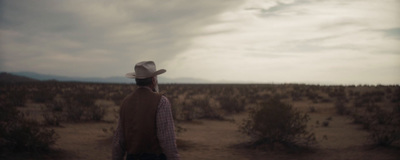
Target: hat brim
132, 75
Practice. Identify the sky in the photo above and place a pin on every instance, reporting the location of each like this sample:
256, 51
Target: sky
243, 41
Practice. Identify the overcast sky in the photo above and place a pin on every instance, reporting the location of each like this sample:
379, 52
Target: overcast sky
270, 41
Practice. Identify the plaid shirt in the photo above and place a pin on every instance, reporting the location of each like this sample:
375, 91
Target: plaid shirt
165, 133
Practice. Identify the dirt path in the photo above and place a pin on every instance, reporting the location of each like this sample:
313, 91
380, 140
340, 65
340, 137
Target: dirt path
211, 140
85, 141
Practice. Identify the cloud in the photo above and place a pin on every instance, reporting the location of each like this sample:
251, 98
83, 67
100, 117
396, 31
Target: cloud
393, 33
301, 41
109, 36
248, 41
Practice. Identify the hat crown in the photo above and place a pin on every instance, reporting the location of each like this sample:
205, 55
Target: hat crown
145, 69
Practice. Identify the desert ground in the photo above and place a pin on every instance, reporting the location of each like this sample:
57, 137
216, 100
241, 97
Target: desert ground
207, 130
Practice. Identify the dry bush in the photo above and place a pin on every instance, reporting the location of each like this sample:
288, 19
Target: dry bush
364, 120
96, 112
231, 104
187, 112
396, 95
341, 108
53, 113
72, 111
312, 109
384, 135
373, 96
81, 106
77, 112
337, 92
205, 109
325, 123
396, 108
15, 97
18, 134
199, 108
275, 122
385, 128
296, 95
42, 96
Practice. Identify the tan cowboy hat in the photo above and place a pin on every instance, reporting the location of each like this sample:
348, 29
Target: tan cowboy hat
145, 69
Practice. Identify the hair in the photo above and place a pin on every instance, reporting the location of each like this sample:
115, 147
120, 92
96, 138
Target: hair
144, 82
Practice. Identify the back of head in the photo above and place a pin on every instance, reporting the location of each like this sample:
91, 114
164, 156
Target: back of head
144, 82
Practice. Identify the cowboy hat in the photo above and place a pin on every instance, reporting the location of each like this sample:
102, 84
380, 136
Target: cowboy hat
145, 69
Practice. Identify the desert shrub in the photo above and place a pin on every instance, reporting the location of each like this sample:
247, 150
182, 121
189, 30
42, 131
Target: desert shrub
365, 120
53, 112
358, 103
383, 126
187, 112
312, 109
231, 104
340, 107
27, 135
313, 96
384, 135
383, 117
325, 123
18, 134
375, 96
81, 97
372, 107
95, 112
205, 110
396, 108
296, 95
195, 108
42, 96
326, 100
338, 93
396, 95
52, 119
74, 111
275, 122
58, 111
15, 97
387, 120
174, 106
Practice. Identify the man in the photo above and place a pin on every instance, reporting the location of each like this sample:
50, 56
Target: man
145, 128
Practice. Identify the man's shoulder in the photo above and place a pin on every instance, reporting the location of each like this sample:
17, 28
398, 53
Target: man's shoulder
128, 96
164, 100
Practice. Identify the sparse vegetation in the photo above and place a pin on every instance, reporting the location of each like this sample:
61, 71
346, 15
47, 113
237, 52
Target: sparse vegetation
72, 111
18, 134
341, 108
384, 128
374, 108
275, 122
232, 104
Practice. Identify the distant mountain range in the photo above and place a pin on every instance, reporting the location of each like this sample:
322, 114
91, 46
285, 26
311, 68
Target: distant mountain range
32, 76
7, 77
